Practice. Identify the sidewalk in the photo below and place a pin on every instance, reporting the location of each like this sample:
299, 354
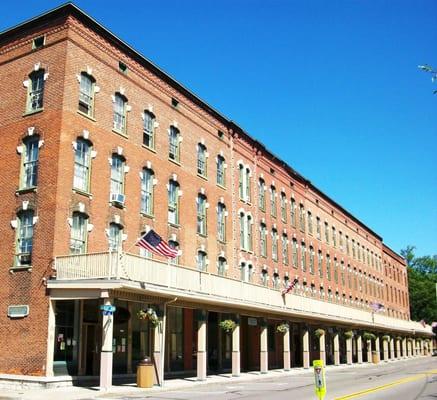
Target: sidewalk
128, 390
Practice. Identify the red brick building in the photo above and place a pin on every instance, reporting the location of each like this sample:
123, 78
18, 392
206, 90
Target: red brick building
100, 146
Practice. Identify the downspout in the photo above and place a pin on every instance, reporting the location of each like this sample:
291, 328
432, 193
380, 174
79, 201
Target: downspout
164, 323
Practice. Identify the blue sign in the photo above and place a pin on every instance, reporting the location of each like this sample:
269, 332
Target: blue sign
107, 309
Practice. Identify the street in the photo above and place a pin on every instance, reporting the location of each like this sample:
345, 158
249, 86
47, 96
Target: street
404, 380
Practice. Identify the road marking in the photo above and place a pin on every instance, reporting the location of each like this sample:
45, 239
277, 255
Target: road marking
387, 385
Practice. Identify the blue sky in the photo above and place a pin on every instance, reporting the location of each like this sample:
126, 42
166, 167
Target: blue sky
331, 87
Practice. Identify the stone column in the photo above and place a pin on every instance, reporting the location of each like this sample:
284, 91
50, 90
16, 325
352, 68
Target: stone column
369, 351
157, 352
322, 349
385, 350
430, 347
398, 348
392, 349
286, 345
201, 348
404, 348
106, 352
377, 347
349, 351
264, 350
409, 348
422, 348
359, 349
236, 349
336, 349
306, 347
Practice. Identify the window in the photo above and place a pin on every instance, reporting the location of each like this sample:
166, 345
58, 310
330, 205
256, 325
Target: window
82, 164
347, 245
303, 260
174, 245
201, 260
334, 237
276, 280
319, 263
117, 178
174, 149
173, 202
24, 239
242, 234
35, 91
119, 121
302, 217
311, 260
249, 232
310, 223
335, 270
245, 231
274, 245
220, 171
340, 240
244, 182
262, 194
221, 222
38, 42
293, 212
201, 214
294, 253
318, 228
86, 94
285, 249
149, 130
263, 240
273, 201
79, 232
283, 207
326, 232
147, 178
221, 266
30, 156
246, 272
328, 267
264, 277
115, 234
144, 252
353, 249
201, 159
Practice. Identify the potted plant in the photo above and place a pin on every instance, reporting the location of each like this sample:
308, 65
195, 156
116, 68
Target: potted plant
369, 336
284, 327
348, 334
319, 332
150, 315
386, 338
228, 325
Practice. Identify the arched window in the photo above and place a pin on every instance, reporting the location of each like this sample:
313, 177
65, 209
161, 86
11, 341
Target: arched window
35, 91
201, 260
303, 260
29, 166
294, 253
118, 164
262, 194
201, 215
174, 148
201, 160
221, 222
24, 238
285, 249
119, 120
311, 260
273, 201
86, 94
221, 171
115, 236
283, 207
149, 130
79, 233
221, 266
174, 245
82, 164
274, 244
263, 240
293, 212
276, 280
173, 202
147, 177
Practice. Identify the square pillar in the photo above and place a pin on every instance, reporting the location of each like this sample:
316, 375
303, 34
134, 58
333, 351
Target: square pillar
336, 349
369, 351
404, 348
359, 349
392, 349
398, 348
286, 346
236, 349
157, 353
349, 351
306, 347
264, 350
201, 349
385, 350
106, 352
322, 349
377, 347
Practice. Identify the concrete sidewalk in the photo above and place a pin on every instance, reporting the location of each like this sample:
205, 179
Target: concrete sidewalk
128, 390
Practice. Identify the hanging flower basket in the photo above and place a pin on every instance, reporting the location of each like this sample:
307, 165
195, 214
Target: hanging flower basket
399, 338
348, 334
283, 328
386, 338
319, 332
228, 325
150, 315
369, 336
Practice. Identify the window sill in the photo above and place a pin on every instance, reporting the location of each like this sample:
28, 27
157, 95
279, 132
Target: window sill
203, 235
221, 186
19, 268
118, 205
144, 214
221, 241
26, 190
152, 149
83, 193
174, 225
27, 113
122, 134
174, 161
86, 116
204, 177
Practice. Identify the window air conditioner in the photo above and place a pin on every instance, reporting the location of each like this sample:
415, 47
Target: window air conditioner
117, 198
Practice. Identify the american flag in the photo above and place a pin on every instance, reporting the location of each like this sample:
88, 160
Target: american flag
376, 306
153, 242
289, 287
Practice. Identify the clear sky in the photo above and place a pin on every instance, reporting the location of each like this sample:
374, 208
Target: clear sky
331, 87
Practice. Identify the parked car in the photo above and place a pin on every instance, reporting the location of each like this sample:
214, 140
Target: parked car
434, 353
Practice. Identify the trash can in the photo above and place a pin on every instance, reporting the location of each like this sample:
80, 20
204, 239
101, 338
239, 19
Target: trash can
145, 373
375, 357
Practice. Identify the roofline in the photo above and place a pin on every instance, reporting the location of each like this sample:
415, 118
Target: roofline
71, 9
389, 250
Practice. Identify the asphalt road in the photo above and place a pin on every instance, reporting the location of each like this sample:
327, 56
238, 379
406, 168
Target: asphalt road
404, 380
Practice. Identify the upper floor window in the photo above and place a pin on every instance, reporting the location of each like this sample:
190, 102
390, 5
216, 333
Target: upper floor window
149, 130
274, 245
294, 255
340, 240
319, 263
221, 171
147, 178
82, 164
303, 260
117, 178
262, 194
24, 238
244, 183
201, 215
302, 217
283, 207
246, 272
318, 228
201, 260
174, 141
173, 202
264, 277
86, 94
245, 231
221, 266
276, 280
221, 222
30, 156
273, 201
174, 245
120, 108
328, 267
310, 223
115, 236
347, 245
285, 249
311, 260
35, 91
79, 233
201, 160
293, 212
147, 253
263, 240
326, 232
334, 237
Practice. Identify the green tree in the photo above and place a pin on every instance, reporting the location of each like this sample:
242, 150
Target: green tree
422, 279
430, 70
